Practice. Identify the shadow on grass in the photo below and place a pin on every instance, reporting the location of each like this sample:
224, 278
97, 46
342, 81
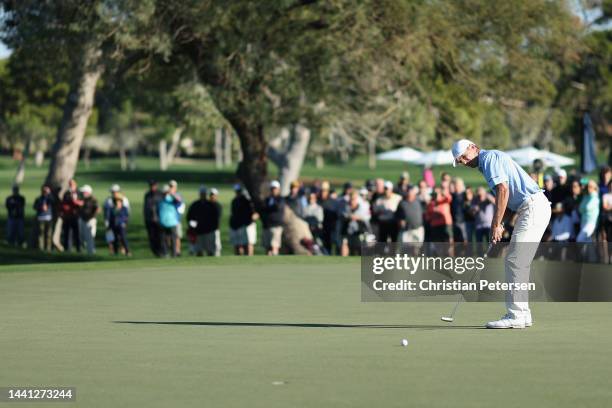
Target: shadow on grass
304, 325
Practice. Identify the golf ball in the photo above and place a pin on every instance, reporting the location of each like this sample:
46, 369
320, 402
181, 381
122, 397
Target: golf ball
404, 342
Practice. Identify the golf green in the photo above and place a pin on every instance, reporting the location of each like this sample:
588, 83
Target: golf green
288, 331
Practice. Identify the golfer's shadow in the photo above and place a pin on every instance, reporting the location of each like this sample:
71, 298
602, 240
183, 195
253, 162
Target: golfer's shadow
301, 325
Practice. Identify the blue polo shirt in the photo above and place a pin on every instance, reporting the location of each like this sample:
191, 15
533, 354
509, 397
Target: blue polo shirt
497, 167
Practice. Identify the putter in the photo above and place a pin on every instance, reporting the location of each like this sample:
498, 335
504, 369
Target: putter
451, 318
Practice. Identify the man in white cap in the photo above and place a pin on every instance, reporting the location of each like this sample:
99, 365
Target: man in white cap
562, 189
87, 219
514, 190
272, 216
383, 212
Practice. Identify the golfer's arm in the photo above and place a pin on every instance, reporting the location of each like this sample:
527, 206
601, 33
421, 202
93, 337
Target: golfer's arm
501, 202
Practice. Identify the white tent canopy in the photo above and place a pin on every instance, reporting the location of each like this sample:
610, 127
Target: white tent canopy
526, 155
436, 158
405, 154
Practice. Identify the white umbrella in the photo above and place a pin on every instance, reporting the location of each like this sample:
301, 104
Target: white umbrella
526, 155
406, 154
436, 158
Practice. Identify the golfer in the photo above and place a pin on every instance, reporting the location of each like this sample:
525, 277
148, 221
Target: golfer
514, 190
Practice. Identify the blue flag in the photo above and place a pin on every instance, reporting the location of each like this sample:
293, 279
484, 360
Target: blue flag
588, 159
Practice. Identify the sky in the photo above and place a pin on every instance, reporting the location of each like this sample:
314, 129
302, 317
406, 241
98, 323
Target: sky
4, 52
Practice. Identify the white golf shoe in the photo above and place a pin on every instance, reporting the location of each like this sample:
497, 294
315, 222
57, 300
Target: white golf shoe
508, 321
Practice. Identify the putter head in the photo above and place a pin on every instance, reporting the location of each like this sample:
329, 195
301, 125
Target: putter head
447, 319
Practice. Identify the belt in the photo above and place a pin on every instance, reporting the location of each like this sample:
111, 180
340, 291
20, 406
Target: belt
531, 198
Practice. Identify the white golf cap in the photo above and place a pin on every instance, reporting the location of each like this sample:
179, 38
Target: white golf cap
274, 184
459, 147
214, 191
172, 183
115, 188
388, 185
561, 173
86, 189
165, 188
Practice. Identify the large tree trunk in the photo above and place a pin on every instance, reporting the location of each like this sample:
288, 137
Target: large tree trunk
253, 168
78, 107
288, 151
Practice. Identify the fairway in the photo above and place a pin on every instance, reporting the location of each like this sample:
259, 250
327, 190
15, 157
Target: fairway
288, 331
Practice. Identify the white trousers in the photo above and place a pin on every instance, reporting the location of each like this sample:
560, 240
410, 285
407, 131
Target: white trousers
533, 217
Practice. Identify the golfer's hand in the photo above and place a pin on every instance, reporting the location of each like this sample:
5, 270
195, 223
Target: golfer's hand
497, 232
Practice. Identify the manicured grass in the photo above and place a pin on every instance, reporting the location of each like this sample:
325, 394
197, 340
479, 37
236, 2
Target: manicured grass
288, 331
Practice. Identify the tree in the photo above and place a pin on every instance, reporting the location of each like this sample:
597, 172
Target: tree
94, 37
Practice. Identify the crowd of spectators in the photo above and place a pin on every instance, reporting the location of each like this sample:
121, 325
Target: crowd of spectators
337, 221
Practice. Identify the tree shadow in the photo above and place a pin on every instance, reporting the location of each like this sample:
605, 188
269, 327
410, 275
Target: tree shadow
300, 325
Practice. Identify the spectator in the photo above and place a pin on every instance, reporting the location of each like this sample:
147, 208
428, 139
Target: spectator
458, 210
243, 229
169, 219
562, 189
151, 218
607, 214
562, 227
571, 204
589, 212
59, 224
428, 177
355, 225
272, 217
605, 176
313, 215
379, 189
384, 212
438, 215
87, 219
538, 172
409, 216
204, 216
15, 207
548, 186
69, 213
483, 209
295, 200
119, 216
109, 205
180, 210
330, 217
424, 194
468, 216
445, 180
43, 206
403, 184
